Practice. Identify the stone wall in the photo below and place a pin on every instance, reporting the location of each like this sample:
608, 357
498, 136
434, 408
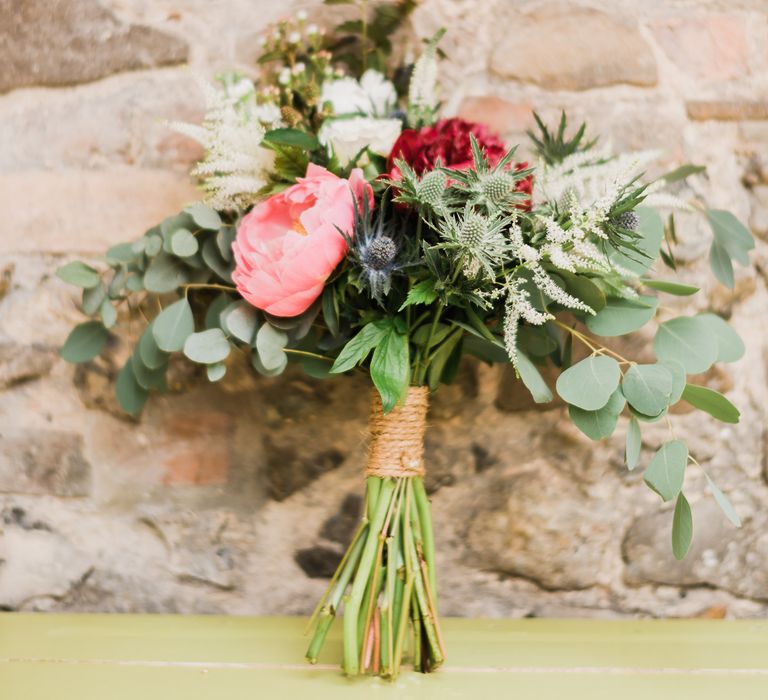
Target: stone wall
239, 498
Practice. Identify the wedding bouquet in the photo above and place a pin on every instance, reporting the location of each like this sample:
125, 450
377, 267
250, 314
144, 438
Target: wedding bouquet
346, 226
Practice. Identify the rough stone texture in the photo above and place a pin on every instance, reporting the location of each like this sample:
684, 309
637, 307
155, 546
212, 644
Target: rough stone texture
62, 42
240, 497
561, 47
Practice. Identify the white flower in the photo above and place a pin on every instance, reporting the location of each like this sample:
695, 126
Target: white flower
347, 137
301, 15
312, 29
373, 96
294, 38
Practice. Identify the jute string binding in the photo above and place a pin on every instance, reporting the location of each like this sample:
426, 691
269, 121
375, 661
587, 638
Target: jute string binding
397, 438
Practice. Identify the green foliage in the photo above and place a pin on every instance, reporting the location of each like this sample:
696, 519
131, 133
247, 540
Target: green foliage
532, 379
555, 147
270, 348
648, 388
207, 347
390, 367
359, 347
79, 274
623, 316
688, 340
722, 500
676, 288
173, 326
666, 470
590, 383
682, 528
712, 402
634, 443
600, 423
130, 394
85, 342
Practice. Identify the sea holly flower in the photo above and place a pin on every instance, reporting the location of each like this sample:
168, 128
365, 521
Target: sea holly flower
288, 245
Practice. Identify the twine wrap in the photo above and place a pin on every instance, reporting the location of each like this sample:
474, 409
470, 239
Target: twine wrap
397, 438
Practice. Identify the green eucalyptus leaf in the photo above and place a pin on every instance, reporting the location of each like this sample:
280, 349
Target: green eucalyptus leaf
532, 379
390, 368
151, 356
183, 243
85, 342
676, 288
721, 265
130, 395
666, 469
589, 384
731, 234
601, 423
215, 310
207, 347
534, 340
712, 402
216, 371
730, 347
688, 340
204, 216
135, 283
644, 418
261, 369
93, 298
683, 172
173, 326
622, 316
270, 344
224, 239
120, 254
725, 504
634, 443
147, 378
79, 274
682, 528
153, 245
241, 321
165, 274
213, 259
358, 348
108, 314
584, 289
117, 284
648, 388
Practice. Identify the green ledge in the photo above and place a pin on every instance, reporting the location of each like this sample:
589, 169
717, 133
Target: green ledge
153, 657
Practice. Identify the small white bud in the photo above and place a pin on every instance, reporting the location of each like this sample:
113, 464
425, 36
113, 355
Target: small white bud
294, 38
301, 15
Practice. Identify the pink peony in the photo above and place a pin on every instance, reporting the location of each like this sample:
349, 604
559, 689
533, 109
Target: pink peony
288, 245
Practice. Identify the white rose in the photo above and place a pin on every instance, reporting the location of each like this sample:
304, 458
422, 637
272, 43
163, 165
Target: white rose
373, 96
347, 137
381, 93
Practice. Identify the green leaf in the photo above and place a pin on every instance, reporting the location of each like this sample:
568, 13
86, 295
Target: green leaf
93, 298
601, 423
241, 321
536, 341
78, 274
721, 265
678, 380
130, 395
330, 311
648, 388
687, 340
272, 372
145, 377
173, 326
731, 234
151, 355
120, 254
441, 356
212, 258
589, 384
207, 347
634, 443
117, 284
532, 379
422, 335
730, 347
682, 528
204, 216
270, 343
224, 239
485, 350
85, 342
165, 274
292, 137
215, 309
183, 243
421, 293
216, 371
712, 402
154, 244
651, 231
676, 288
390, 368
683, 172
725, 504
108, 314
646, 418
584, 289
357, 349
666, 470
622, 316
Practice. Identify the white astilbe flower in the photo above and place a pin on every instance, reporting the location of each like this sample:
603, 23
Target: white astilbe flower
664, 200
235, 165
518, 307
422, 89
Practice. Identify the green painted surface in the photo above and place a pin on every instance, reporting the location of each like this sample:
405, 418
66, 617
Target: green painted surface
116, 657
